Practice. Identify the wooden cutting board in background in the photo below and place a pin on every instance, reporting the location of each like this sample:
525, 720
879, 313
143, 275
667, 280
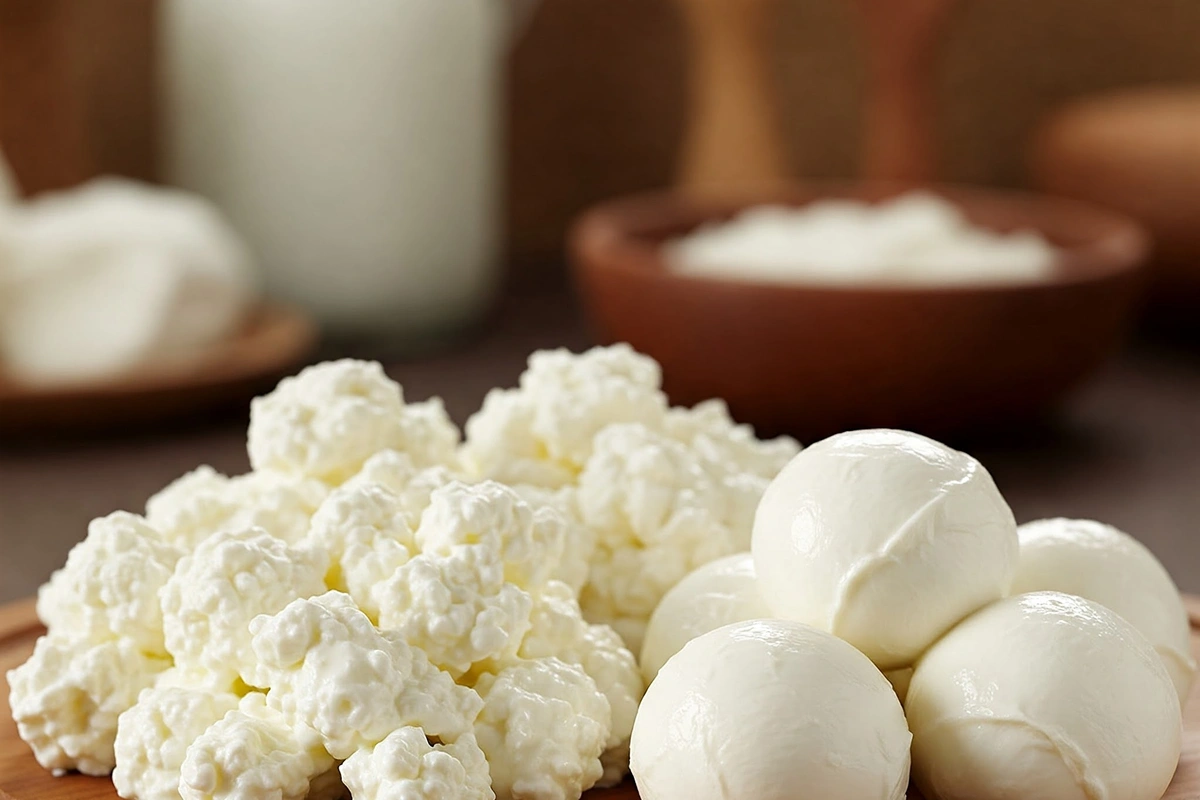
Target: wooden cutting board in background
22, 779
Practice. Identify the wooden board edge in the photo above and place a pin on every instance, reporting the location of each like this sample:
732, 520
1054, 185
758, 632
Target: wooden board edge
17, 619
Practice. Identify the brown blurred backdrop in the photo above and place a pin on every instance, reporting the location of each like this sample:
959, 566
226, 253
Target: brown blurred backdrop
597, 90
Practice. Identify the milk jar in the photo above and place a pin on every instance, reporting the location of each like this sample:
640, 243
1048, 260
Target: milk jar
354, 143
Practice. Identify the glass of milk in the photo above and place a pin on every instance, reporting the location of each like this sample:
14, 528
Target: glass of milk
354, 143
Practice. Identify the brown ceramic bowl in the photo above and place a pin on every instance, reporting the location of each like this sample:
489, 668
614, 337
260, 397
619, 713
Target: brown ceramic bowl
812, 360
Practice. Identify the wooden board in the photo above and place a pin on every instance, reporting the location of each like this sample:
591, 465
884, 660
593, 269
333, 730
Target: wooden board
273, 341
21, 778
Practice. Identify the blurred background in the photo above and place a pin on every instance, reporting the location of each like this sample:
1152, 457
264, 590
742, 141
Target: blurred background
444, 184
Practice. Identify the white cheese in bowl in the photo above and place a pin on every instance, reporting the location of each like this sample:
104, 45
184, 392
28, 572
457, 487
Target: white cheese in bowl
915, 239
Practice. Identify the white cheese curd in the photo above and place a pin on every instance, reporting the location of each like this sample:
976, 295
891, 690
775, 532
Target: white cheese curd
885, 539
709, 430
117, 275
406, 766
558, 630
330, 669
543, 727
717, 594
109, 586
579, 541
1100, 563
204, 502
528, 541
915, 239
219, 588
400, 475
770, 709
252, 752
542, 432
457, 608
659, 513
153, 737
1044, 696
363, 528
327, 421
67, 697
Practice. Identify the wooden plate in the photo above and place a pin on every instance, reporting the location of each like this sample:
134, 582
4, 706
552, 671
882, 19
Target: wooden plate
21, 778
274, 339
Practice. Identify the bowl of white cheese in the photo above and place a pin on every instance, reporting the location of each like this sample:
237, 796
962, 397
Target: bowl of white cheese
822, 308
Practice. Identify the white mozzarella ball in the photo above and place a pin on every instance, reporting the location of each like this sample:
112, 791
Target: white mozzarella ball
1100, 563
1045, 696
767, 709
885, 539
719, 593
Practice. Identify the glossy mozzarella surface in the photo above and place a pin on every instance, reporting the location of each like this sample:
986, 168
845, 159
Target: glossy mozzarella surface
1044, 696
772, 710
885, 539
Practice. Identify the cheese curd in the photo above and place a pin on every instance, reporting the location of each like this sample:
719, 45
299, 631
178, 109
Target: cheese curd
457, 608
406, 766
885, 539
327, 421
1043, 695
710, 431
528, 542
365, 531
219, 588
67, 697
579, 541
252, 752
769, 709
412, 485
558, 630
542, 432
204, 502
543, 727
658, 514
719, 593
1100, 563
109, 586
330, 669
153, 737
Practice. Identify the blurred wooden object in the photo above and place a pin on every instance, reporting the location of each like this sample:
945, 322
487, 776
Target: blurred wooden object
733, 133
1137, 151
274, 340
901, 39
76, 89
937, 359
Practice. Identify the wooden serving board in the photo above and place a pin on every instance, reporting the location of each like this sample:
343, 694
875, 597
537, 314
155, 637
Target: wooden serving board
21, 778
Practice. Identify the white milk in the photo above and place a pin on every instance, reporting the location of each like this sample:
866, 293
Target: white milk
354, 143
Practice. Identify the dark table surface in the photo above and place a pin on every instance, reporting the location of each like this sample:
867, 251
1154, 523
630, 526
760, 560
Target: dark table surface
1125, 450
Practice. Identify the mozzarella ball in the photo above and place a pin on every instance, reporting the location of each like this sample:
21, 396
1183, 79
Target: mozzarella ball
1045, 696
1104, 565
885, 539
900, 679
767, 709
718, 594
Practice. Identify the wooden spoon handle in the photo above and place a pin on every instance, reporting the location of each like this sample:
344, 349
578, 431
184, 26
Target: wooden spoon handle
901, 38
733, 137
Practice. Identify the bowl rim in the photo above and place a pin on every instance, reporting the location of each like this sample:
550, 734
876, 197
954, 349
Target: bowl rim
625, 235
